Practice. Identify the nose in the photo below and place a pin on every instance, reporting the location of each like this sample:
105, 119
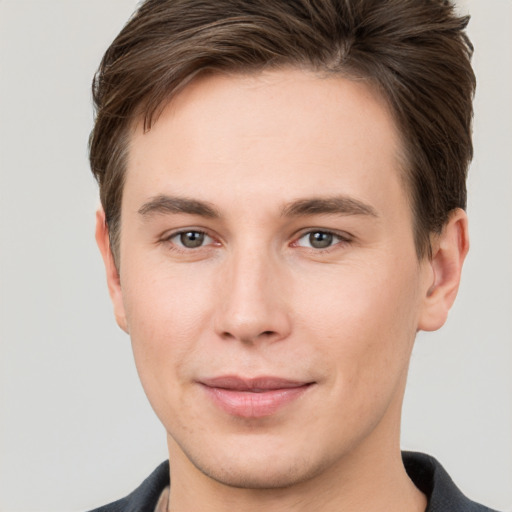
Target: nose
252, 306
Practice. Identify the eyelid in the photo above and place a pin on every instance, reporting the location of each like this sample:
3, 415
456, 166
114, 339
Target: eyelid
342, 236
170, 235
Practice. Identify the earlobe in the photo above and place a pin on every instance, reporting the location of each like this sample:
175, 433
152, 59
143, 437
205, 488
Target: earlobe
448, 253
113, 280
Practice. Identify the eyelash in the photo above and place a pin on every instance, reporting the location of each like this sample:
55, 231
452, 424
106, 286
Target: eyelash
342, 239
181, 248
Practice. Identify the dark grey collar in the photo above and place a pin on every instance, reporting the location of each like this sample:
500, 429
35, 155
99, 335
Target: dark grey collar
430, 478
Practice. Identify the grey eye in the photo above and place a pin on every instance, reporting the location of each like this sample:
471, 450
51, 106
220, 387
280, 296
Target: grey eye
191, 239
320, 239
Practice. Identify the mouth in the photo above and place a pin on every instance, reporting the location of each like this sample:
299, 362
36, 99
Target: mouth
253, 398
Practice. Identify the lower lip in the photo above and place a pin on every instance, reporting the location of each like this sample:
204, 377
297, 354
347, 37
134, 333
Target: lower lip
247, 404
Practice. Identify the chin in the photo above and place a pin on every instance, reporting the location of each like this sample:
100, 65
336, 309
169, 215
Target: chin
258, 471
259, 478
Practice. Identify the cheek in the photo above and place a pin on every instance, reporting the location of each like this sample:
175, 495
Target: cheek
364, 322
167, 311
164, 299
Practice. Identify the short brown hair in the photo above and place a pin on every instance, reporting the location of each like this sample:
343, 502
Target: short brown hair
414, 51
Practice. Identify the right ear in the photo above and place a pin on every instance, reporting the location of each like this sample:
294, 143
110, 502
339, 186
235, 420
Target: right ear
113, 280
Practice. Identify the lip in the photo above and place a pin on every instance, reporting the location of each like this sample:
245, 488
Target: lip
253, 397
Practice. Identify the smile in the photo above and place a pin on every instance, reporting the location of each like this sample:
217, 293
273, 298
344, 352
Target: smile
253, 398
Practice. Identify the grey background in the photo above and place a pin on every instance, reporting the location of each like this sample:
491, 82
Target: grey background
75, 428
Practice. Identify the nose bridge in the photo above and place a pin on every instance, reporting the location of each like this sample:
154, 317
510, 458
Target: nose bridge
252, 306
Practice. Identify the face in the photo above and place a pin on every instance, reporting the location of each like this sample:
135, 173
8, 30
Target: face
268, 275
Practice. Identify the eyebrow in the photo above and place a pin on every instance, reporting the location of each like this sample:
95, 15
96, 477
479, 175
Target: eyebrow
338, 205
163, 204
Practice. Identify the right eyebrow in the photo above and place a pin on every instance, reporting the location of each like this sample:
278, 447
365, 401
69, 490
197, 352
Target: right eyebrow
164, 204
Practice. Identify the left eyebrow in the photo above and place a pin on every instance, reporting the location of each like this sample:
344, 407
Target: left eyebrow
338, 205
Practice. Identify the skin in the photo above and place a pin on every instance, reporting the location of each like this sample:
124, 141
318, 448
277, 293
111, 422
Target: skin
255, 298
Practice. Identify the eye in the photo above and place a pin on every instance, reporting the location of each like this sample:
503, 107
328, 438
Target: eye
191, 239
319, 239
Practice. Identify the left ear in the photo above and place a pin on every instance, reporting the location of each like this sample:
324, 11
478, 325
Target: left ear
449, 250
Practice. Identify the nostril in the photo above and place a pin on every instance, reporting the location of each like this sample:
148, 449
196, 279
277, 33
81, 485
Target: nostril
247, 337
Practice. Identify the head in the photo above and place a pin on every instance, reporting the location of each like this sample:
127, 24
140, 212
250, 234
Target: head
414, 53
282, 186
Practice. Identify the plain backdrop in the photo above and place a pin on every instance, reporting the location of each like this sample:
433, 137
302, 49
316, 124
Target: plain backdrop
75, 428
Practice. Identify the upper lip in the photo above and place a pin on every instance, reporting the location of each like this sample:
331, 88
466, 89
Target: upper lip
255, 384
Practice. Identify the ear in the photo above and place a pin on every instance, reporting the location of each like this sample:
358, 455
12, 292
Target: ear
113, 280
449, 250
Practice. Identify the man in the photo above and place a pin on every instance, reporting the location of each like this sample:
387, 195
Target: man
283, 194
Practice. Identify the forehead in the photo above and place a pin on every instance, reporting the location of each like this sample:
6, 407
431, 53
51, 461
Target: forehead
288, 127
